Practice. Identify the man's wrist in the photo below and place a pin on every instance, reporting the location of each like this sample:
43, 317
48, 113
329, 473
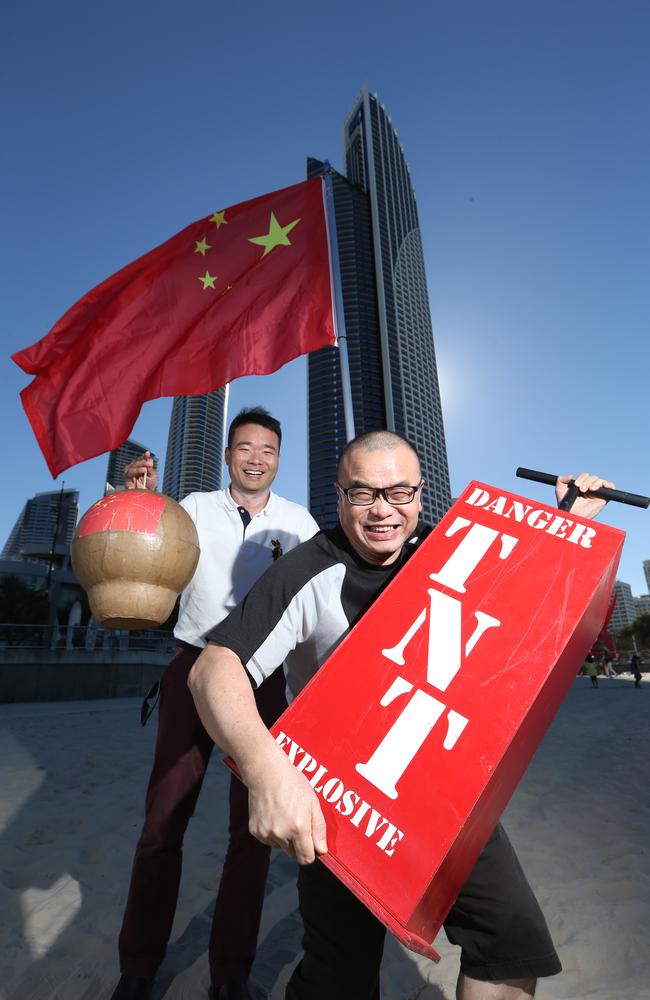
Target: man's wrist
262, 762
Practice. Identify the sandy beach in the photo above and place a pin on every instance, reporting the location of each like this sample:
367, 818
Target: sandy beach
72, 786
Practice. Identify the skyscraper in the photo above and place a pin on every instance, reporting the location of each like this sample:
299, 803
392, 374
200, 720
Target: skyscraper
118, 460
33, 535
326, 418
624, 611
194, 459
388, 323
642, 605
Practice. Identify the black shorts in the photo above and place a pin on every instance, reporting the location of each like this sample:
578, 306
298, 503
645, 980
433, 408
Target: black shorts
496, 920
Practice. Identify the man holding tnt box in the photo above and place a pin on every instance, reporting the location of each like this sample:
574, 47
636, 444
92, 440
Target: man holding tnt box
297, 614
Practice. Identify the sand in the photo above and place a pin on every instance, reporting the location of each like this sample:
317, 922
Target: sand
72, 780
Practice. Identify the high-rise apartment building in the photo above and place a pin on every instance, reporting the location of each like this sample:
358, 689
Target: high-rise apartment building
118, 460
194, 460
388, 323
624, 610
646, 570
642, 605
47, 520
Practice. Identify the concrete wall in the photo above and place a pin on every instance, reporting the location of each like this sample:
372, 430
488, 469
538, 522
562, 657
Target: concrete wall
70, 675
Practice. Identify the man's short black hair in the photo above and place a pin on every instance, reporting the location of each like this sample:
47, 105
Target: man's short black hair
375, 441
255, 415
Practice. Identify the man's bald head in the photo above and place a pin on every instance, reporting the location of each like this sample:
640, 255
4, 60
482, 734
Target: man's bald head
372, 464
374, 441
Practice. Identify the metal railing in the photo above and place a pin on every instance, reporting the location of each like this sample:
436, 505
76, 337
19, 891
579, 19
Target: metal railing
87, 638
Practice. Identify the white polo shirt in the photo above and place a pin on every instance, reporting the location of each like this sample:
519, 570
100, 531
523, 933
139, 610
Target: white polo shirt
233, 558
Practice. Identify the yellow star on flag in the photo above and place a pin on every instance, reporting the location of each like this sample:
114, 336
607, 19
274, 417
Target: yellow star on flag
219, 218
276, 236
202, 246
208, 280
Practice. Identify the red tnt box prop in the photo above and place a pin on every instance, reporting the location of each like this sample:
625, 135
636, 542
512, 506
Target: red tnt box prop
416, 731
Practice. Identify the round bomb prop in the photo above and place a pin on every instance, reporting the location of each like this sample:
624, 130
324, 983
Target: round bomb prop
133, 552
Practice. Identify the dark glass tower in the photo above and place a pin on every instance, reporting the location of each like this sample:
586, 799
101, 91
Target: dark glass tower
194, 460
326, 419
42, 518
388, 323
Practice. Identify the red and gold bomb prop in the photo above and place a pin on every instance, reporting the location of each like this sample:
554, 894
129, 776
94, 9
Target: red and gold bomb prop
133, 552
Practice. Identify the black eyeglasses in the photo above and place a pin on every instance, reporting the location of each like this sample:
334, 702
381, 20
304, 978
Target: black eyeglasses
152, 695
365, 496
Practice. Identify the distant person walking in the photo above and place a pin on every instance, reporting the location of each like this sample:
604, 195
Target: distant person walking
608, 666
634, 669
592, 670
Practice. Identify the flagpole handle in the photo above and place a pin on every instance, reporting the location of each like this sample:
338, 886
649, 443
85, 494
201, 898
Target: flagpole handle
604, 493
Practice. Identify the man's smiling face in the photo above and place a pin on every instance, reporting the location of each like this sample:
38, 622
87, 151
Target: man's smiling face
252, 458
378, 532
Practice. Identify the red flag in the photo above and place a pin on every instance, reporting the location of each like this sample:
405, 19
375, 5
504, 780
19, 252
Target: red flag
240, 292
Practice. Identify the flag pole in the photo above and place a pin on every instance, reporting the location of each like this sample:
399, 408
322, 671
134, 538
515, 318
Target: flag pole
224, 436
339, 314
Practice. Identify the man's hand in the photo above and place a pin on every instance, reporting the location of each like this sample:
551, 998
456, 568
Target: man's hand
285, 812
283, 807
137, 470
585, 505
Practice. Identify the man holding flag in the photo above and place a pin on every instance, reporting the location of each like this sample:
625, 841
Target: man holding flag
239, 292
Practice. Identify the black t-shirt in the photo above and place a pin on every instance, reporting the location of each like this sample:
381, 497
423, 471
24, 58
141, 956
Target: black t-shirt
303, 606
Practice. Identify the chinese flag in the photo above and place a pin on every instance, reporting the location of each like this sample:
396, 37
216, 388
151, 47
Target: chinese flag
240, 292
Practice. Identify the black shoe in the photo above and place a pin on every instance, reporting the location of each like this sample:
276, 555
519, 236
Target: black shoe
234, 991
133, 988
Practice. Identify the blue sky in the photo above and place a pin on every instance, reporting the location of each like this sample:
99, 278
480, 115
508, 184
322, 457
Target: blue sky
525, 126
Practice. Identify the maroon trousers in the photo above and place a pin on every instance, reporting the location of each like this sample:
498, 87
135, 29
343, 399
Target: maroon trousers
182, 753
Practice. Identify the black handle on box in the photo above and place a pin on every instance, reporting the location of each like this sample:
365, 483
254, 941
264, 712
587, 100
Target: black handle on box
566, 503
620, 496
